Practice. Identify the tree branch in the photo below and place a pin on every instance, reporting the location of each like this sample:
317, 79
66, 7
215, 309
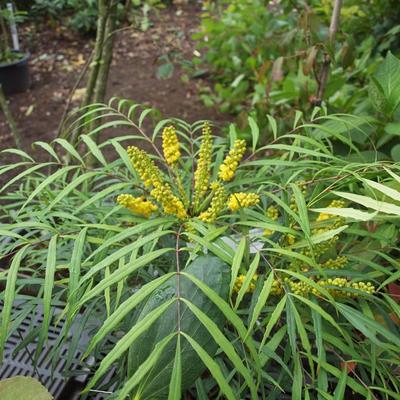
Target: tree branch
333, 28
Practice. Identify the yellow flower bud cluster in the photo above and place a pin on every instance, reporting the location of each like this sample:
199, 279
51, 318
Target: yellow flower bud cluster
228, 168
298, 287
240, 280
272, 213
335, 263
276, 288
332, 204
138, 205
217, 203
202, 173
144, 165
290, 239
334, 285
241, 200
171, 204
170, 145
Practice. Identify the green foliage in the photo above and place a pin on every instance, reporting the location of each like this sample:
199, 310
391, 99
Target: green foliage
272, 64
154, 292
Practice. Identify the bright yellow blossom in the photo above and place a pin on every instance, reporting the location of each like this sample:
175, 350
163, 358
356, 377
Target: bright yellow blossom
217, 203
170, 145
240, 200
138, 205
228, 168
202, 173
144, 165
170, 203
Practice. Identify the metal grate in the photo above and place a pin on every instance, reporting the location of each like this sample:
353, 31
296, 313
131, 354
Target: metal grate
62, 384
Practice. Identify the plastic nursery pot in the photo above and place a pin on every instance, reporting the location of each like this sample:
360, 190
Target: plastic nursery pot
14, 76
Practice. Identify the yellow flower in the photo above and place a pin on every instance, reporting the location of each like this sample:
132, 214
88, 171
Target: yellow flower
138, 205
228, 168
217, 204
170, 203
241, 200
170, 145
144, 165
240, 280
202, 173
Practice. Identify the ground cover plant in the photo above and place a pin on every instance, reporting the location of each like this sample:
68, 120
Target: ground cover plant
207, 267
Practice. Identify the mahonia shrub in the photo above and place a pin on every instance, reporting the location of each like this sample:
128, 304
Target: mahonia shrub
205, 267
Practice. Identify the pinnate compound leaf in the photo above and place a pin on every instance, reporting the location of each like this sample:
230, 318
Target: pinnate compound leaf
179, 318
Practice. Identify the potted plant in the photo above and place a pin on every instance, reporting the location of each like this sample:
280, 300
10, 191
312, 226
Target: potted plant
14, 74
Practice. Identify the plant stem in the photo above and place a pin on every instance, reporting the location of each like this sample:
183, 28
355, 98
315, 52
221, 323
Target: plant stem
10, 120
333, 28
4, 46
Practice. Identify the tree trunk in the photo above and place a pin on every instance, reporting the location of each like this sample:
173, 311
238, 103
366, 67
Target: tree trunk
104, 68
98, 51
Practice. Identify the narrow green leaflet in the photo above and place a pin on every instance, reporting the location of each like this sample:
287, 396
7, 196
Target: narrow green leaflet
9, 296
47, 292
213, 367
176, 377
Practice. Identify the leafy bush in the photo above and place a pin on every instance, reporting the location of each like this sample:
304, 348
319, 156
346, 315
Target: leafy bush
241, 266
272, 63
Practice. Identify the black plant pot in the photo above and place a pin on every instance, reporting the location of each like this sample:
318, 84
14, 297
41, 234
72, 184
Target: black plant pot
14, 76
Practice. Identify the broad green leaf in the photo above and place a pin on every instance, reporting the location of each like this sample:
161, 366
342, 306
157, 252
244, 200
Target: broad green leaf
23, 388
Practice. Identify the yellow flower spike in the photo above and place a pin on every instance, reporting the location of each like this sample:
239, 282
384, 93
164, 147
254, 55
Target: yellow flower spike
228, 168
138, 205
202, 173
241, 200
145, 166
170, 145
217, 204
170, 203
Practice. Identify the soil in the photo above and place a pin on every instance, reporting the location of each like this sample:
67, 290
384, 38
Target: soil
58, 56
